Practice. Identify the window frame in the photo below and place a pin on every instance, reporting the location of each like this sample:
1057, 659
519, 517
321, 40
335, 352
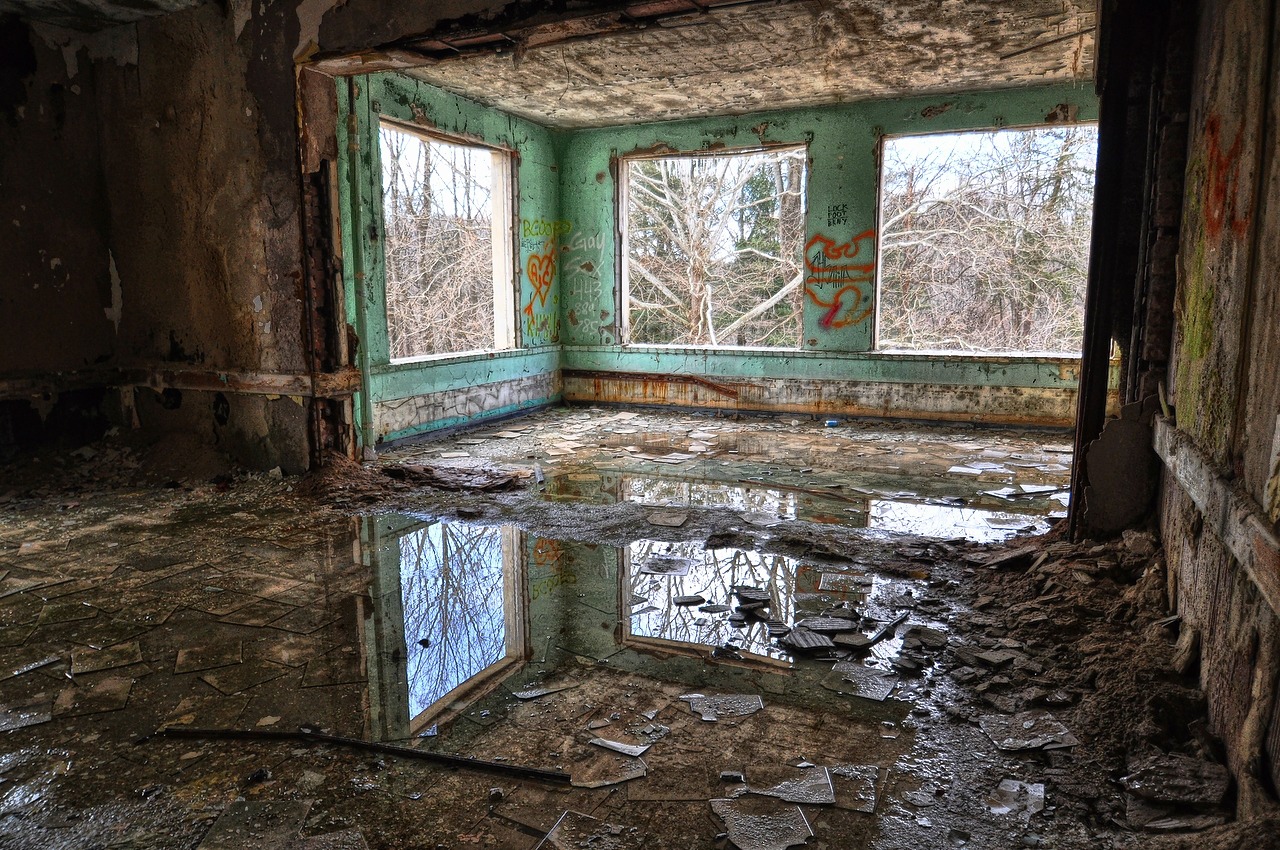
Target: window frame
505, 204
622, 227
879, 282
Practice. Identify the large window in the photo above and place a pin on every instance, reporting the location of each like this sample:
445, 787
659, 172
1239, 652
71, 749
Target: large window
713, 248
984, 240
449, 271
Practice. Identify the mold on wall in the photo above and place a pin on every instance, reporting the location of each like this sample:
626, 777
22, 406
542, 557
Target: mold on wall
1218, 514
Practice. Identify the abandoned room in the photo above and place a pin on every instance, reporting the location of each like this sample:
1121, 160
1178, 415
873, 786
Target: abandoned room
639, 424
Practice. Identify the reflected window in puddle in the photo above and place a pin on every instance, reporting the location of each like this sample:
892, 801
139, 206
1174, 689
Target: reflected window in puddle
460, 588
660, 573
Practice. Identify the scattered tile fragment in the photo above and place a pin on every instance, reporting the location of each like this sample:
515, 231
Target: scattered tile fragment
810, 786
855, 786
109, 694
26, 713
1013, 796
668, 519
619, 747
575, 830
607, 769
857, 679
253, 823
712, 708
25, 660
534, 693
762, 823
1029, 730
91, 660
209, 657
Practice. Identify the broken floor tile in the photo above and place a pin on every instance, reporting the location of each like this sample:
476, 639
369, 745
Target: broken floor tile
826, 625
1030, 730
857, 679
574, 831
26, 713
1175, 778
811, 785
347, 839
258, 613
241, 677
109, 694
91, 660
712, 708
806, 641
1013, 796
207, 711
534, 693
602, 769
249, 823
762, 823
340, 666
668, 519
619, 747
855, 786
664, 565
25, 660
208, 657
66, 612
688, 600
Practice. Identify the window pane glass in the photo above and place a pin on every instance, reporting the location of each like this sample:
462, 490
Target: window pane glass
714, 249
439, 245
984, 240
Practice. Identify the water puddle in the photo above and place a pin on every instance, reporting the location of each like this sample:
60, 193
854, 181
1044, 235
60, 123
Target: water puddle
943, 507
465, 612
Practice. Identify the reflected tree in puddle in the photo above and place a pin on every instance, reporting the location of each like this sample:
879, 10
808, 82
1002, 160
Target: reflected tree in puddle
453, 580
711, 574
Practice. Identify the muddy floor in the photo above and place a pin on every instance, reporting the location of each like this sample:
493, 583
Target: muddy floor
594, 628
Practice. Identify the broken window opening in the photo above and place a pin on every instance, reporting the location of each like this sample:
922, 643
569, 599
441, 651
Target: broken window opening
712, 248
447, 224
984, 240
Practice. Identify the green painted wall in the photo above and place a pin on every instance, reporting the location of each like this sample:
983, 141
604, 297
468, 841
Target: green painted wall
362, 103
842, 217
566, 243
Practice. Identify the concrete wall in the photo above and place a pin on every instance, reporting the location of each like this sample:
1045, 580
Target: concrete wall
1221, 490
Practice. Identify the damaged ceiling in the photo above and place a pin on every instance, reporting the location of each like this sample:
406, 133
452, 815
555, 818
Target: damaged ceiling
674, 59
91, 15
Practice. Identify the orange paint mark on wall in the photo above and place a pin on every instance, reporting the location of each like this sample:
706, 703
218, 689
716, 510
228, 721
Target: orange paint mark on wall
835, 280
1222, 181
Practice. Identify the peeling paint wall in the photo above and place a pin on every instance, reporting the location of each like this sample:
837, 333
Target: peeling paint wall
55, 287
1226, 386
839, 315
412, 397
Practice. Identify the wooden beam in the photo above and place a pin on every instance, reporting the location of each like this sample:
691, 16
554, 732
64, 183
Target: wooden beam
1229, 512
338, 384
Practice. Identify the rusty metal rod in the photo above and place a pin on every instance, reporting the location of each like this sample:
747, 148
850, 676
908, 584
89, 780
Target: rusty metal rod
521, 771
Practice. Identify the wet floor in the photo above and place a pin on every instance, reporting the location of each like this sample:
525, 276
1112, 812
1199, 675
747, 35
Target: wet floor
214, 668
978, 484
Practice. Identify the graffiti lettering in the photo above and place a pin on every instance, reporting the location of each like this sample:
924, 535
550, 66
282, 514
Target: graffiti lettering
541, 271
540, 228
548, 569
1222, 181
837, 214
834, 282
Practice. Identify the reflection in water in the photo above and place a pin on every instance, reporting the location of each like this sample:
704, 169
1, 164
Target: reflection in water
452, 584
983, 526
711, 574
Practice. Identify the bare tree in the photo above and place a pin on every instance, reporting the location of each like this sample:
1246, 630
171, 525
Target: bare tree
714, 248
984, 240
438, 245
